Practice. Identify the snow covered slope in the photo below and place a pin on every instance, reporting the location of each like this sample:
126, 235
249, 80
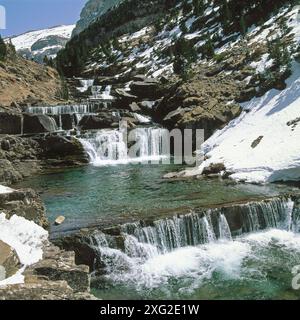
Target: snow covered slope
262, 145
37, 44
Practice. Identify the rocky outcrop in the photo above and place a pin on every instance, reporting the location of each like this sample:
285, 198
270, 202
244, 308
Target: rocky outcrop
103, 120
10, 123
55, 277
38, 124
147, 89
26, 204
203, 102
61, 151
92, 10
9, 261
18, 159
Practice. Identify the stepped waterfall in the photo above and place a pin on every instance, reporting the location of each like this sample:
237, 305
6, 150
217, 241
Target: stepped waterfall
110, 146
144, 240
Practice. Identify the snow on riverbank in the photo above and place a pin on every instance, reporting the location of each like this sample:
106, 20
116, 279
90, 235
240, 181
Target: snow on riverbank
26, 238
4, 189
263, 144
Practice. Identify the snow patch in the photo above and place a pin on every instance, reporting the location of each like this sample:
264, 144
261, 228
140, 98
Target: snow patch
27, 238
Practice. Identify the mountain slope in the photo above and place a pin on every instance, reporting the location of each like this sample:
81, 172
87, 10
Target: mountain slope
199, 63
92, 10
40, 43
26, 82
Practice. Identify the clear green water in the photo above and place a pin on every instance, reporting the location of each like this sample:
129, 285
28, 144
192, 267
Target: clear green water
254, 266
90, 193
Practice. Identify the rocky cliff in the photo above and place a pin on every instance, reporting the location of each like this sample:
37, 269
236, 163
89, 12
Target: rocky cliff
93, 10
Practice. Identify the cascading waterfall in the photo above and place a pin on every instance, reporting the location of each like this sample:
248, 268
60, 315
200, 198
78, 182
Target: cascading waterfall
162, 237
85, 85
105, 147
59, 110
224, 229
110, 146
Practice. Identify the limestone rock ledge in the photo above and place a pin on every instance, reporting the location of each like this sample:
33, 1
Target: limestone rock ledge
55, 277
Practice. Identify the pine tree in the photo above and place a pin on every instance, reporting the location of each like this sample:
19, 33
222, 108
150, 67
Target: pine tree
3, 49
46, 60
208, 49
243, 25
183, 27
198, 7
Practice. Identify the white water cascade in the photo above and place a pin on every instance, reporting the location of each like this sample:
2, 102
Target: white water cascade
59, 110
162, 239
109, 147
85, 85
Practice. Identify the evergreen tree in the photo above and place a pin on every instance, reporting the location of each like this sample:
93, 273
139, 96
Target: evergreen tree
243, 25
46, 60
208, 49
183, 27
3, 49
198, 7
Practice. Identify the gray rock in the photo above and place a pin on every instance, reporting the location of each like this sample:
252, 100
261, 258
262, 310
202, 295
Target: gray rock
10, 123
38, 124
9, 261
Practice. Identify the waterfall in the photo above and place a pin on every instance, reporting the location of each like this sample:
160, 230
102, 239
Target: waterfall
224, 229
59, 110
141, 119
110, 146
146, 240
106, 147
22, 125
85, 85
268, 214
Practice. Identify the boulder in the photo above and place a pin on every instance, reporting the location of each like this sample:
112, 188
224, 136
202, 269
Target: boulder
146, 89
147, 106
60, 265
134, 107
123, 99
66, 121
60, 151
10, 123
38, 123
102, 120
214, 168
9, 261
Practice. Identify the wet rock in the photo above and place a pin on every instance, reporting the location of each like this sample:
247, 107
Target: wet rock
8, 260
103, 120
60, 220
57, 150
38, 124
214, 168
